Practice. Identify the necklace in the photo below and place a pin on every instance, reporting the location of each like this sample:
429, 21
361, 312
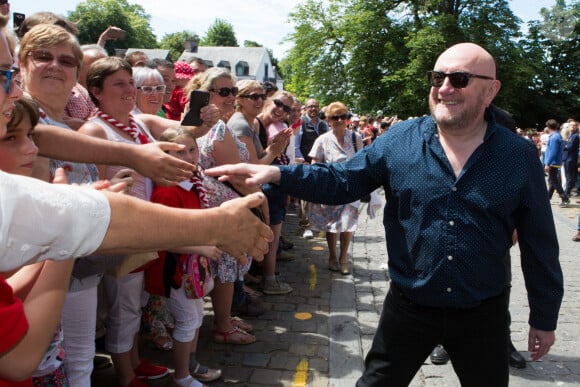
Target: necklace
132, 130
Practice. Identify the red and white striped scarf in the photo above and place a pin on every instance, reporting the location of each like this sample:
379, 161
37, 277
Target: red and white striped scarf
201, 192
133, 130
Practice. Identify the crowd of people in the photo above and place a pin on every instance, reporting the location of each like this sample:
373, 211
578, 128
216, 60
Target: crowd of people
74, 115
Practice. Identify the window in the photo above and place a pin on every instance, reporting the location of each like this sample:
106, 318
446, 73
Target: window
242, 69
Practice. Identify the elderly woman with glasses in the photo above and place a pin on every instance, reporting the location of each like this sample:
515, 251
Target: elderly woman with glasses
218, 147
339, 222
150, 90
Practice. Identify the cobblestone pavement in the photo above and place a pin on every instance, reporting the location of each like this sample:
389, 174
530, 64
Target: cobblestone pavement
328, 348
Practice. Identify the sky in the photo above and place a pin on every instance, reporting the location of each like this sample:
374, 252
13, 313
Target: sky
262, 21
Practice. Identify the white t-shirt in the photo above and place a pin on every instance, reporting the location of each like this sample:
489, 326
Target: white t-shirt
41, 221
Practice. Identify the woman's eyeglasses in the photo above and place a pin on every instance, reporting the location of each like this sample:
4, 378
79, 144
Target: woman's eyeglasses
280, 104
9, 76
225, 91
255, 97
340, 117
45, 57
458, 79
150, 89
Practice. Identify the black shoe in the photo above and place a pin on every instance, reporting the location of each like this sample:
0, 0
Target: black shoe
284, 244
516, 359
439, 355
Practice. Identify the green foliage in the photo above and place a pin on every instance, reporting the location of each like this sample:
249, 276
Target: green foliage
374, 54
175, 42
220, 33
94, 16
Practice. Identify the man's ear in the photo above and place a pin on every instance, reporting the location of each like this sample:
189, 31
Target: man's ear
492, 91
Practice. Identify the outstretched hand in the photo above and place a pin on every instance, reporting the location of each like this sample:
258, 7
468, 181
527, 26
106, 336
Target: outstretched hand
250, 174
540, 342
152, 161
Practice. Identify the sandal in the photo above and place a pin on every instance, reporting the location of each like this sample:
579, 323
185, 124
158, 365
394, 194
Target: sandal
235, 336
162, 343
238, 323
333, 266
206, 374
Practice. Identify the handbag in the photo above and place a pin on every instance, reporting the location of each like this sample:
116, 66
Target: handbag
197, 278
366, 198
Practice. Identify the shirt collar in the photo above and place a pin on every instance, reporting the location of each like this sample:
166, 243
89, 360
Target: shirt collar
186, 184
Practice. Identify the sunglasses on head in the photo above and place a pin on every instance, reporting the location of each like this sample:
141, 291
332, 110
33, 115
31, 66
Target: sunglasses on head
280, 104
225, 91
10, 75
458, 79
255, 97
340, 117
44, 57
150, 89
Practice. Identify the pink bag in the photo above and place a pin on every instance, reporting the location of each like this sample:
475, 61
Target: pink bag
197, 278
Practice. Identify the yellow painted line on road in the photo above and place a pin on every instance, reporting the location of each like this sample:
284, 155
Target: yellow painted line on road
301, 374
312, 277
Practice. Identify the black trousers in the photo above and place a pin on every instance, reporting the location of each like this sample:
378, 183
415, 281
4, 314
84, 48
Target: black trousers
555, 183
476, 340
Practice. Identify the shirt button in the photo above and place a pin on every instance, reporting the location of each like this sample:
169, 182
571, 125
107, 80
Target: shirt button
450, 257
454, 189
451, 223
448, 290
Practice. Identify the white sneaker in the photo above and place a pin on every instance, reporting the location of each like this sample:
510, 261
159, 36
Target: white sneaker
307, 234
276, 287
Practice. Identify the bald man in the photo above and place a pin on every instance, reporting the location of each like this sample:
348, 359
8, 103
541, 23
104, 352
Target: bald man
457, 185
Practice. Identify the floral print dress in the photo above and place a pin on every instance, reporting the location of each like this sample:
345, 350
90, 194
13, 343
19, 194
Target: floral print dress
335, 219
226, 268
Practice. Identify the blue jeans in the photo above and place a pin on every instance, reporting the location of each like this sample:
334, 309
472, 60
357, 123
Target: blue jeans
476, 340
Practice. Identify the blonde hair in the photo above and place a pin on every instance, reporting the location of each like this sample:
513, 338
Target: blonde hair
335, 107
170, 134
207, 80
245, 87
48, 36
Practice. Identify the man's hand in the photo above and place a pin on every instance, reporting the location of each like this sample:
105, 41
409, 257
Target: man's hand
540, 342
250, 174
242, 233
151, 160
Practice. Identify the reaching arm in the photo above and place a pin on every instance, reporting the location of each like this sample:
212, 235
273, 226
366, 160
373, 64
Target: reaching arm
149, 160
42, 307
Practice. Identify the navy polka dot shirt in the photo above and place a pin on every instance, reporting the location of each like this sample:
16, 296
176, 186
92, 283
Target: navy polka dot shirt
447, 236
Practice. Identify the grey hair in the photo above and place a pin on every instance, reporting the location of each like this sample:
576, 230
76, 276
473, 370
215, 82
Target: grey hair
142, 74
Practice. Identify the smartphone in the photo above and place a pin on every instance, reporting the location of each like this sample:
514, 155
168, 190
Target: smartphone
17, 19
197, 100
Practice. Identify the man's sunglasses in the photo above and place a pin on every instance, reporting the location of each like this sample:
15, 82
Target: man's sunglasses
255, 97
44, 57
336, 118
225, 91
150, 89
10, 76
458, 79
280, 104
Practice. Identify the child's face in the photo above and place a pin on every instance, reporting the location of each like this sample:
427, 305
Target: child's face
17, 149
190, 153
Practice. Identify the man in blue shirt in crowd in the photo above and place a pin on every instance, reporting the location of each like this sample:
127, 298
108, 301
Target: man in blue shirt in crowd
457, 185
553, 161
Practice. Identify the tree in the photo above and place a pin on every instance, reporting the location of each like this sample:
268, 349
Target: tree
175, 42
94, 16
220, 33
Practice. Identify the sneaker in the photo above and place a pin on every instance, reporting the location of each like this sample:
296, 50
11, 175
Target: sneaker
284, 256
565, 203
276, 287
149, 371
439, 355
307, 234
